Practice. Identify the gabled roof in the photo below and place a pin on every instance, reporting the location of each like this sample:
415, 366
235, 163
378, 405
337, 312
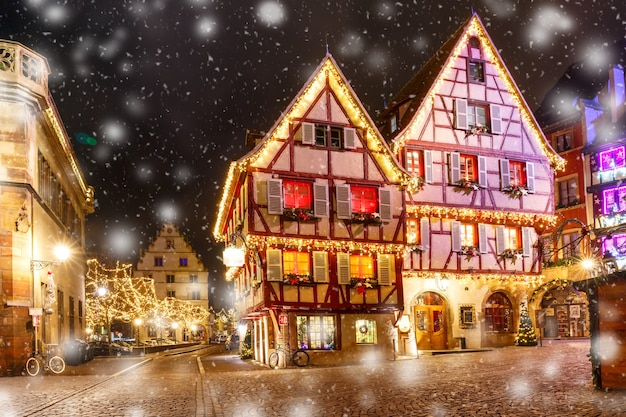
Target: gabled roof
326, 74
424, 84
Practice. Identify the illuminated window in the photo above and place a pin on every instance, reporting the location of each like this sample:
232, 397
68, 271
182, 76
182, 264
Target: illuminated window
316, 332
412, 231
512, 238
361, 266
614, 200
499, 313
615, 245
364, 199
468, 166
182, 261
297, 194
476, 116
414, 162
295, 262
365, 332
158, 261
612, 159
468, 234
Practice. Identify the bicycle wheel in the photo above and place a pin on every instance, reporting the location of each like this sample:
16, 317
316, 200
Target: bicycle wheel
273, 360
300, 358
32, 367
57, 364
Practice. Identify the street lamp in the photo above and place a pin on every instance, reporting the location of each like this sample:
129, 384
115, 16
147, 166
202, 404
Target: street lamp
138, 323
103, 293
174, 327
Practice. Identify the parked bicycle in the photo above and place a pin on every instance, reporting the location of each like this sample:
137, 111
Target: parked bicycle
299, 357
38, 361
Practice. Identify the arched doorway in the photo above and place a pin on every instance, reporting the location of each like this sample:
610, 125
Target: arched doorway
430, 322
566, 313
499, 323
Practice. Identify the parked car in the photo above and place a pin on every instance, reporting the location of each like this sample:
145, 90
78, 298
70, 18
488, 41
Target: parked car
232, 343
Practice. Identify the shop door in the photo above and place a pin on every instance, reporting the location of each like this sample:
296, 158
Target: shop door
430, 327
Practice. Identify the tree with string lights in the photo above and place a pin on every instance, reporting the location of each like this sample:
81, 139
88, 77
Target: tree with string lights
526, 333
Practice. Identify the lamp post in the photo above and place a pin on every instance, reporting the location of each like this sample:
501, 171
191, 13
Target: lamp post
174, 328
138, 322
103, 293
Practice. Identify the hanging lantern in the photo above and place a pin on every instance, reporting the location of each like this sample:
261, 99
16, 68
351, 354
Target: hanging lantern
234, 257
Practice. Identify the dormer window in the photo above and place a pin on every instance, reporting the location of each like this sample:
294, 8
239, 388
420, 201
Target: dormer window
477, 118
476, 71
327, 136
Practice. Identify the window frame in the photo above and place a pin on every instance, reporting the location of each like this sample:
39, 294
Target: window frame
506, 323
613, 158
158, 261
293, 194
568, 192
304, 336
365, 332
296, 262
473, 63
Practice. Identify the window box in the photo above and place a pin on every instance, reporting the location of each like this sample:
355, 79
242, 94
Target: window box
469, 252
297, 279
515, 191
366, 219
362, 284
298, 215
511, 254
477, 130
466, 186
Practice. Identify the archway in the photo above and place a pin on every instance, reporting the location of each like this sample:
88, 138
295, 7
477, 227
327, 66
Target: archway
429, 312
566, 312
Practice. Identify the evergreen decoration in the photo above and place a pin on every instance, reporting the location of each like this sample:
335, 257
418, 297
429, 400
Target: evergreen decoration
245, 348
526, 333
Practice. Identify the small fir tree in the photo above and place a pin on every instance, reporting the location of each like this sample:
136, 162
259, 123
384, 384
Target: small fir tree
245, 348
526, 334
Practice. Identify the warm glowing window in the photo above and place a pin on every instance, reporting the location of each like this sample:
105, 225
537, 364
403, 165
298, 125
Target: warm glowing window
499, 313
297, 194
365, 332
469, 167
316, 332
364, 199
468, 234
612, 159
412, 232
361, 266
512, 238
517, 173
295, 262
414, 162
614, 200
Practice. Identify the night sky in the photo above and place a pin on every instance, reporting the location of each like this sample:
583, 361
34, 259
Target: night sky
166, 88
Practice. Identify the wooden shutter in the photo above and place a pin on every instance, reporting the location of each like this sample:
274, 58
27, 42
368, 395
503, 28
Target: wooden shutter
384, 204
530, 177
344, 209
320, 203
320, 266
274, 196
274, 264
456, 236
425, 232
482, 238
385, 268
527, 243
428, 167
349, 138
482, 171
460, 114
308, 133
505, 174
343, 268
496, 119
455, 167
500, 241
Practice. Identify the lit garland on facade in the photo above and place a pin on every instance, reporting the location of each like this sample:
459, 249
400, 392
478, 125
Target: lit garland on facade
263, 242
539, 221
476, 29
521, 278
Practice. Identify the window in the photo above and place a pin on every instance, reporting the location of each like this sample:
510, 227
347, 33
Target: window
414, 162
412, 231
316, 332
511, 238
612, 159
477, 118
570, 244
193, 279
615, 245
297, 263
363, 199
516, 174
158, 261
365, 332
499, 313
169, 244
468, 234
171, 294
563, 141
195, 295
468, 166
568, 192
361, 266
476, 71
71, 318
170, 278
393, 123
332, 137
614, 200
297, 194
182, 261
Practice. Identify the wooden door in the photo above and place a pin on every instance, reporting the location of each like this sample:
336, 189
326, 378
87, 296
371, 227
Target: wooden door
430, 327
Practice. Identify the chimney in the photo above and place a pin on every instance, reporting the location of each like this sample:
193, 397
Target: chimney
617, 92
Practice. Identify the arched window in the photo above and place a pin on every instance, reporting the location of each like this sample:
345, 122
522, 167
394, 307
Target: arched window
499, 313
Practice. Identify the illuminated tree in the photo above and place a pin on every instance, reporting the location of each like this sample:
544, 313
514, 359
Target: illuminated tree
526, 334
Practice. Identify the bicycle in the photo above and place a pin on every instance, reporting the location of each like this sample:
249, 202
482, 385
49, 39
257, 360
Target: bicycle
55, 363
299, 357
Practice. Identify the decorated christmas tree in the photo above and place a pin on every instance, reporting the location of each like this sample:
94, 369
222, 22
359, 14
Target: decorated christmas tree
245, 349
526, 333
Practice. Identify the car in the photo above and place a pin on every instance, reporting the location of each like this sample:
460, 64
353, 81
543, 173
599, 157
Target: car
220, 338
232, 343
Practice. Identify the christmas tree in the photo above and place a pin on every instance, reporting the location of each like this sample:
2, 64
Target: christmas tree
526, 334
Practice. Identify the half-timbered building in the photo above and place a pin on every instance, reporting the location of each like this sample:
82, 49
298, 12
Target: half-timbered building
318, 210
462, 125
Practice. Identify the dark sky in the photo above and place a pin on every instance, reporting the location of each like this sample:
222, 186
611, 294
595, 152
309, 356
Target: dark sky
168, 87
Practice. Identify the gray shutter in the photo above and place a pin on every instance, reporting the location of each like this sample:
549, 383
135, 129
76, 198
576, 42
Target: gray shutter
425, 232
505, 174
500, 242
384, 204
460, 113
274, 264
456, 236
455, 167
482, 238
274, 196
320, 266
385, 268
428, 167
349, 138
482, 171
343, 268
527, 244
496, 119
344, 207
530, 177
308, 133
320, 203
